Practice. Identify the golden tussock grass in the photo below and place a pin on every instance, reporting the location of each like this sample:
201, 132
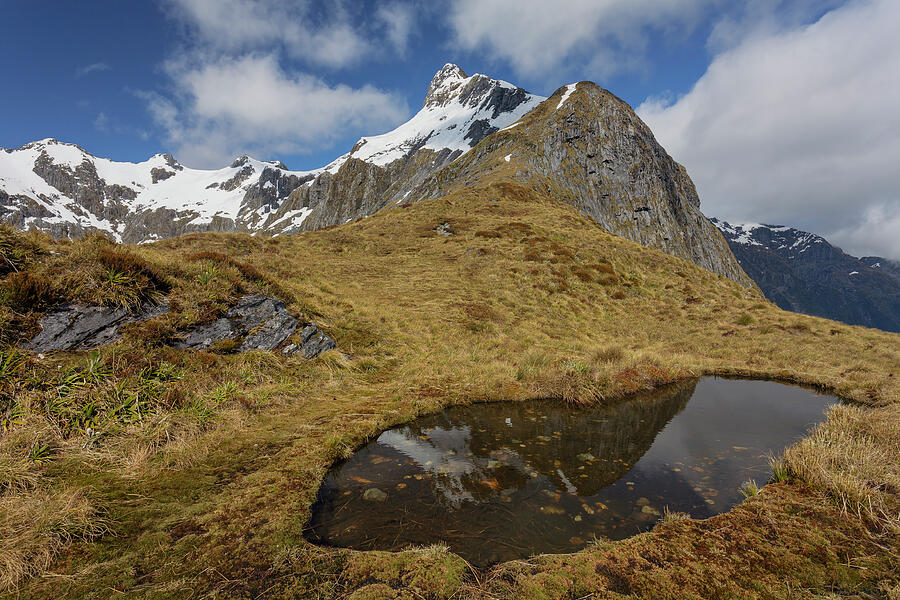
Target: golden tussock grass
527, 299
36, 526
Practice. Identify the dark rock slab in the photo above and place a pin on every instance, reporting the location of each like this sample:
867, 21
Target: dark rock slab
312, 343
260, 323
82, 327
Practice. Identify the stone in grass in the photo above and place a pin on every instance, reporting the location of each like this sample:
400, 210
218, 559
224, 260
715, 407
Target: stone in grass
262, 321
374, 495
83, 327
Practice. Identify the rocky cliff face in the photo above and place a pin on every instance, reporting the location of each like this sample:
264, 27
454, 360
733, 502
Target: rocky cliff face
584, 145
589, 149
802, 272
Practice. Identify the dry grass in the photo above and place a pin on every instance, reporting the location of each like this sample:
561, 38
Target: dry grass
226, 460
36, 526
855, 456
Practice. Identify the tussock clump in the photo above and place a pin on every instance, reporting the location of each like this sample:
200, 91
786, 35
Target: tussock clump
855, 457
25, 292
608, 354
18, 249
36, 526
247, 271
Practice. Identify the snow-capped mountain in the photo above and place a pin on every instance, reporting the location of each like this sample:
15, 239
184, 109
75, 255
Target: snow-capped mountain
458, 112
584, 145
64, 190
802, 272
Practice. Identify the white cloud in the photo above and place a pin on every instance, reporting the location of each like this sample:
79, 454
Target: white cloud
101, 123
305, 30
537, 37
800, 127
249, 104
92, 68
397, 20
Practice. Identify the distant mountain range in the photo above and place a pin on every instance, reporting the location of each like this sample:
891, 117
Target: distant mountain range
802, 272
583, 143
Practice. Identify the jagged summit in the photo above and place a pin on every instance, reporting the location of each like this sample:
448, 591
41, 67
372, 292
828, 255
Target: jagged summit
788, 241
458, 112
449, 78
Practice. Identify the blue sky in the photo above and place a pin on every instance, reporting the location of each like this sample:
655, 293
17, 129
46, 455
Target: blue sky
301, 81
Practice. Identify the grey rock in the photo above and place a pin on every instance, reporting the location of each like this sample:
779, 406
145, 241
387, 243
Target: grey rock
82, 327
263, 323
314, 342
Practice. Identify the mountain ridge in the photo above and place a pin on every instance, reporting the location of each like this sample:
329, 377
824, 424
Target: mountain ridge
802, 272
584, 143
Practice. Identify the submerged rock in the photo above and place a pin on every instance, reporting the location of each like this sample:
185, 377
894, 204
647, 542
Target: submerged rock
83, 327
374, 495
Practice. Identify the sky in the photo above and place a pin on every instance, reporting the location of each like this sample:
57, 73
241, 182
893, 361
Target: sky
783, 111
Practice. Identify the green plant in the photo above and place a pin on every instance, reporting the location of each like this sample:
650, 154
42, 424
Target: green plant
669, 516
40, 453
780, 470
207, 275
745, 319
749, 488
11, 363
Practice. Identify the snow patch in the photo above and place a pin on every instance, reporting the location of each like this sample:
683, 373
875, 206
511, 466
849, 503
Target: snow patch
569, 89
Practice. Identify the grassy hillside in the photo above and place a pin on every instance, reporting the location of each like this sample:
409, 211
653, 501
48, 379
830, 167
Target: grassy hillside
198, 470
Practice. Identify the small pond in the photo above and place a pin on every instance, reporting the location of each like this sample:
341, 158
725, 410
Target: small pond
506, 480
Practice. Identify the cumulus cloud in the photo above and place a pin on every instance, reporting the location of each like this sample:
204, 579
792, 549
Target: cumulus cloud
799, 127
303, 29
397, 20
249, 104
92, 68
536, 37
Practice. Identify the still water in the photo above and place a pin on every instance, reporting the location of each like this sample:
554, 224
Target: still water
506, 480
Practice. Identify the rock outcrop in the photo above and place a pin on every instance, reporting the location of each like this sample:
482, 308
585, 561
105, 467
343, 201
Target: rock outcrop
83, 327
257, 323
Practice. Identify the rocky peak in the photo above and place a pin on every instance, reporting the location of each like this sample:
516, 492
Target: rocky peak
444, 83
240, 161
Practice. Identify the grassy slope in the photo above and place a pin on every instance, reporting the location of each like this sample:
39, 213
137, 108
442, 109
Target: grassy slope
207, 493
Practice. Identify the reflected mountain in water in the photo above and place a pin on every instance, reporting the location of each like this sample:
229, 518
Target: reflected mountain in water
506, 480
578, 451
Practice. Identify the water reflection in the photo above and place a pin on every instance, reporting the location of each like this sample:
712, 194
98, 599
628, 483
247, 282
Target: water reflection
507, 480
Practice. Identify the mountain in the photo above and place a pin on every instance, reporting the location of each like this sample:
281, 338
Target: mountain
583, 144
885, 265
64, 190
802, 272
589, 149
